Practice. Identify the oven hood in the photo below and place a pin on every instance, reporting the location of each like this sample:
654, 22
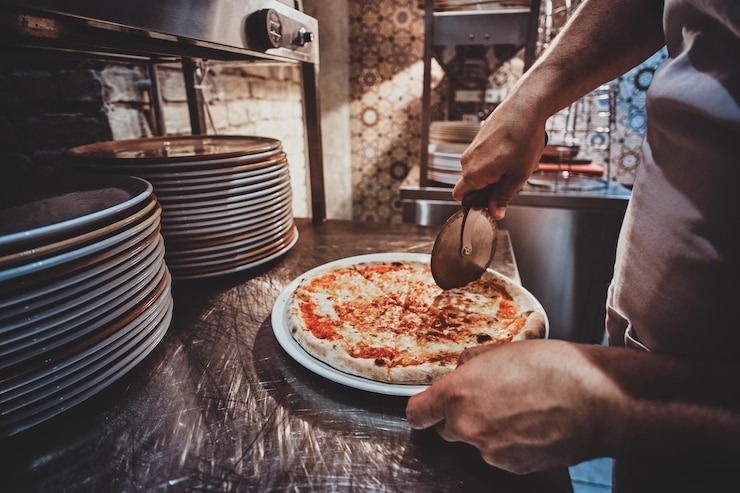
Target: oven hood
161, 29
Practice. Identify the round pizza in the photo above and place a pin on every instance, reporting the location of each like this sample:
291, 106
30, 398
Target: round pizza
388, 321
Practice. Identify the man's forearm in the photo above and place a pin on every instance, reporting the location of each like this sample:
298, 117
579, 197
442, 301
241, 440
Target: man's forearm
603, 39
668, 404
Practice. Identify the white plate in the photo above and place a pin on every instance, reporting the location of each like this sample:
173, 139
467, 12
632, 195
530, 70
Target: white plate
232, 217
233, 227
81, 292
448, 150
148, 224
231, 258
442, 177
199, 189
85, 323
222, 167
188, 197
277, 234
237, 245
285, 339
35, 415
176, 180
446, 165
41, 384
179, 245
197, 212
249, 265
59, 287
72, 206
39, 251
174, 149
228, 200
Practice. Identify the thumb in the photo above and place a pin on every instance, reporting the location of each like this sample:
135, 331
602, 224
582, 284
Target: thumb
426, 408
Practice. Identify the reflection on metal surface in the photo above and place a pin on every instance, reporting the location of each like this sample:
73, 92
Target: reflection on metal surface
220, 406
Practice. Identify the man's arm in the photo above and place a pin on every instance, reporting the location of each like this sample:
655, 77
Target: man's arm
538, 404
602, 40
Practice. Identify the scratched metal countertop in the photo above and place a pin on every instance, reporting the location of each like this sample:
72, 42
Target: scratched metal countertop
220, 406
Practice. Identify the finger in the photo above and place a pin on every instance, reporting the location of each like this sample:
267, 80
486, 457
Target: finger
461, 188
425, 409
472, 352
444, 432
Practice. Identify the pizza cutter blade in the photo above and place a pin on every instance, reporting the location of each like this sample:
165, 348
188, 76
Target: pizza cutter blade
465, 245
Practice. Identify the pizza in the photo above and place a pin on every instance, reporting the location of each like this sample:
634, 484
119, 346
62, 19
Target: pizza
388, 321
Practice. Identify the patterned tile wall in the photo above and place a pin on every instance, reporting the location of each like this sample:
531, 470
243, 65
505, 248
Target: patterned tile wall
386, 63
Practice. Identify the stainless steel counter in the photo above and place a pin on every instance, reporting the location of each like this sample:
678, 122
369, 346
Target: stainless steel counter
220, 406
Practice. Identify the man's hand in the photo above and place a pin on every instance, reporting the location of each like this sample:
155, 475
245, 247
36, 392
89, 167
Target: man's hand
527, 406
505, 152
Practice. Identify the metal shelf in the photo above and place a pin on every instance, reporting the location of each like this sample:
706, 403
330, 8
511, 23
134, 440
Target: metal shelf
510, 26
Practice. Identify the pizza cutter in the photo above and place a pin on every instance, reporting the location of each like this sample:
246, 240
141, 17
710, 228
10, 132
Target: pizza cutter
465, 245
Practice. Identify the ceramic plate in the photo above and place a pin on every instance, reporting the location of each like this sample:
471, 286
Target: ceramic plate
230, 269
236, 215
226, 175
104, 377
226, 200
231, 227
178, 212
81, 327
236, 257
36, 307
225, 185
28, 254
239, 244
148, 224
58, 207
175, 149
18, 392
193, 197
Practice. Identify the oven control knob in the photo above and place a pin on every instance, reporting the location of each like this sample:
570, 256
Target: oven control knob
265, 29
303, 36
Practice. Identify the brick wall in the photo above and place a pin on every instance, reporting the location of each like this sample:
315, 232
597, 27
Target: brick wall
48, 106
45, 108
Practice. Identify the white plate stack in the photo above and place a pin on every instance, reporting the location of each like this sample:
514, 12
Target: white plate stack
84, 291
447, 141
444, 162
226, 199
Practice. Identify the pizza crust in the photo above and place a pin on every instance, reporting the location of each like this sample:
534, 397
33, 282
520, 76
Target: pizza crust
534, 328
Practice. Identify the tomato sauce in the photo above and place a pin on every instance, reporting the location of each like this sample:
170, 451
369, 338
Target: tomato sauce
318, 328
507, 309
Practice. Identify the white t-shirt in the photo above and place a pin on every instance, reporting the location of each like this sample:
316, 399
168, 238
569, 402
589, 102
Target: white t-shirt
676, 286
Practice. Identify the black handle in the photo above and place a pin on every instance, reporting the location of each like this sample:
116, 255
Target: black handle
480, 198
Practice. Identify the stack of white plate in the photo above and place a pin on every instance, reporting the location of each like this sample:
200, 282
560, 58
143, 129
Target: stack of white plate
452, 131
447, 141
84, 291
444, 162
226, 199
